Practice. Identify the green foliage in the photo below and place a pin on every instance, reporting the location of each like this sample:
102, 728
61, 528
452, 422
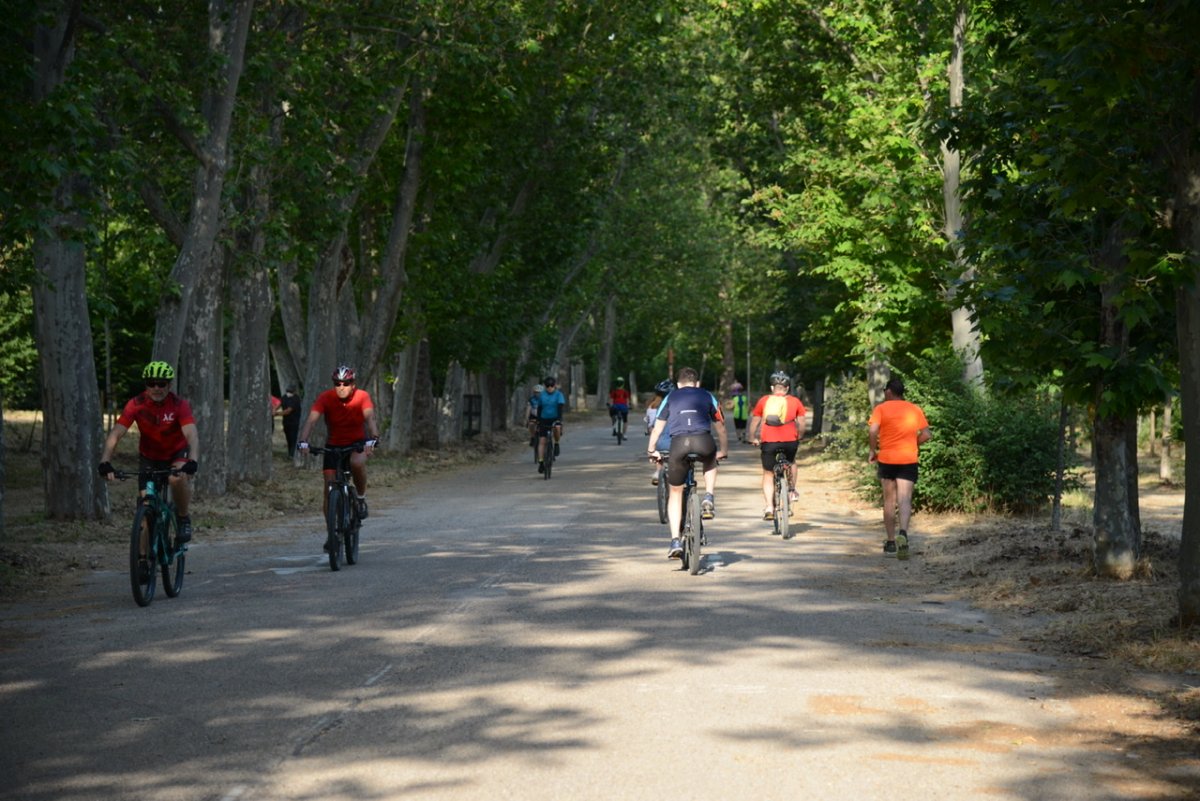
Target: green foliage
18, 353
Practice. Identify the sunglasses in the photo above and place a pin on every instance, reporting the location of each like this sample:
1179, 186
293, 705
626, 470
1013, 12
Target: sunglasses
343, 383
157, 384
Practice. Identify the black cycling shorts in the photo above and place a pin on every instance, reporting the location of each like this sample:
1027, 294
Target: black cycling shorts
891, 472
683, 444
769, 449
329, 461
146, 465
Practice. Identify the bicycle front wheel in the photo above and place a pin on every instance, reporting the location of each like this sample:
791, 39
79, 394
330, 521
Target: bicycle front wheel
548, 457
691, 543
351, 544
172, 560
620, 429
141, 557
333, 526
782, 504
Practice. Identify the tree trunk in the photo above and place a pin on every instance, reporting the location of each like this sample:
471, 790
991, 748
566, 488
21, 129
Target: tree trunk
251, 305
965, 336
399, 435
1186, 224
727, 356
72, 438
229, 24
424, 409
202, 377
3, 471
450, 407
1164, 453
604, 361
1117, 537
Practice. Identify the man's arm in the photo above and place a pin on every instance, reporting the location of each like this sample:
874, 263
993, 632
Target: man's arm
752, 429
924, 435
313, 416
372, 426
193, 440
873, 442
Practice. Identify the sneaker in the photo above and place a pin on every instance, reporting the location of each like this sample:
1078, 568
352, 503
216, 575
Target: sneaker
708, 507
768, 514
889, 548
185, 530
654, 480
362, 508
541, 466
556, 449
676, 550
793, 497
902, 545
328, 546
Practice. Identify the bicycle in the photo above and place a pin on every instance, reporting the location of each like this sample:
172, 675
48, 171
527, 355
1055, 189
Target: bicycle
783, 495
691, 525
548, 452
342, 521
619, 425
152, 539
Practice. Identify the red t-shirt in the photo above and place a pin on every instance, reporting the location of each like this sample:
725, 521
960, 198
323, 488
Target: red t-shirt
619, 397
783, 433
159, 424
344, 419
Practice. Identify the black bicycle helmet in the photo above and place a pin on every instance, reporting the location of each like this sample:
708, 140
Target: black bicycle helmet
550, 380
664, 387
779, 377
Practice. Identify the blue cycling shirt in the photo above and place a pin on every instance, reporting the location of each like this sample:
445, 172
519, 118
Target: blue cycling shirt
689, 410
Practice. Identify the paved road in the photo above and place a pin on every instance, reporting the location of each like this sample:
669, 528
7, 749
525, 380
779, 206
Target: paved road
508, 637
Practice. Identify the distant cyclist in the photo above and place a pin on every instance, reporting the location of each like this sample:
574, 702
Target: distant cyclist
167, 438
661, 390
618, 404
777, 422
349, 419
739, 409
550, 406
689, 413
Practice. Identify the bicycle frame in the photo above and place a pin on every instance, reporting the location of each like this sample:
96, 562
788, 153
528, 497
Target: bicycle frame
341, 509
783, 486
151, 546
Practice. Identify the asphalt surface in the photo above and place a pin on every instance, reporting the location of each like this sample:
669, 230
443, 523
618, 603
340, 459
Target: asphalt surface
509, 637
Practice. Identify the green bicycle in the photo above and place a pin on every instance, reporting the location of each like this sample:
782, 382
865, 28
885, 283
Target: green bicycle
152, 539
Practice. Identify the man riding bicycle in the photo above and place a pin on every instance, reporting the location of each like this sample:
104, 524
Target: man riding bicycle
349, 416
618, 404
777, 424
689, 413
549, 405
167, 439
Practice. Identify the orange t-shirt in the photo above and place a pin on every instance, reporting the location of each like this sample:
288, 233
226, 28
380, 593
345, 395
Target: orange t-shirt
899, 421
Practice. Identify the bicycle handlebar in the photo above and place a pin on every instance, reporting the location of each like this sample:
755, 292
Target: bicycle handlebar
123, 475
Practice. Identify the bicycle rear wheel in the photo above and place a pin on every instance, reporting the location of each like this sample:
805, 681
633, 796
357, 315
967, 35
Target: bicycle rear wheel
664, 492
333, 525
782, 504
141, 558
172, 566
548, 456
620, 429
691, 543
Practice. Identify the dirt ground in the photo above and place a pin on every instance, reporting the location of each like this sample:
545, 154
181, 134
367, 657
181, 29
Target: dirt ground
1136, 677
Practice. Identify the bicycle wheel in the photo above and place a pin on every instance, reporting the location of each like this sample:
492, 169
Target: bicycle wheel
333, 525
141, 558
173, 564
353, 526
548, 457
782, 504
691, 545
664, 492
620, 429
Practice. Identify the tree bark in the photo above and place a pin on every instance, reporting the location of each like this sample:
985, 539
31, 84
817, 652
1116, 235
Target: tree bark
604, 361
202, 377
965, 336
1164, 453
1186, 224
228, 27
72, 437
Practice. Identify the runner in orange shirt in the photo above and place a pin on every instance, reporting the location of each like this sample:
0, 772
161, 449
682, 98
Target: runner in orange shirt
898, 429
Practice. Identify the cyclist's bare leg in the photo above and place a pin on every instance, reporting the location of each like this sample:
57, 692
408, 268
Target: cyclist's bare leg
768, 488
904, 493
358, 469
674, 508
181, 493
888, 485
541, 446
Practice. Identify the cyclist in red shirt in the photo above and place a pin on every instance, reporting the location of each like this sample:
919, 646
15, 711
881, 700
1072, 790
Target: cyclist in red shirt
167, 438
349, 416
783, 434
618, 403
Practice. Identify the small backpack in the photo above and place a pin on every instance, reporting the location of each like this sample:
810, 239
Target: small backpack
776, 410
